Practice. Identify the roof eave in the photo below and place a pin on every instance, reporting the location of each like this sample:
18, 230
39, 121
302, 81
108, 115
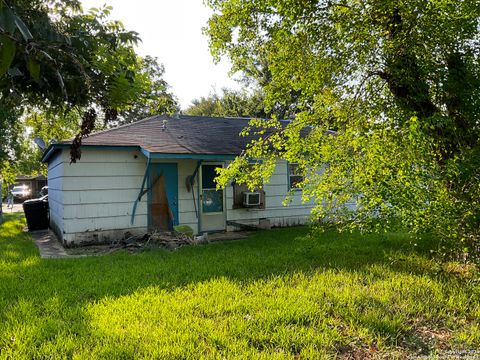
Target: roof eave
52, 148
191, 156
148, 154
55, 147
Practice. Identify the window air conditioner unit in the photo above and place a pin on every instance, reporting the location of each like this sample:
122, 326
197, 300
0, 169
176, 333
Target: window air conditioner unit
251, 199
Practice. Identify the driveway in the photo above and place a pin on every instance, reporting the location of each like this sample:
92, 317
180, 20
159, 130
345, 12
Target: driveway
17, 207
45, 239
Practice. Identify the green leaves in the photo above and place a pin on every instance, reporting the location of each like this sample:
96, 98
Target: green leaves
229, 103
34, 69
55, 58
7, 19
399, 84
7, 53
9, 23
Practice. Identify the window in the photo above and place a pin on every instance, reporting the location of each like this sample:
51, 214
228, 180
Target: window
294, 176
212, 199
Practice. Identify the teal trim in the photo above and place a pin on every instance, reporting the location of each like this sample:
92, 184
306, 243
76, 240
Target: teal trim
47, 154
207, 157
145, 152
254, 161
149, 197
141, 193
199, 162
54, 147
192, 177
200, 190
151, 155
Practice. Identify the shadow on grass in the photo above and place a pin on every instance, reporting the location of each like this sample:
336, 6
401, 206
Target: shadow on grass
264, 254
63, 293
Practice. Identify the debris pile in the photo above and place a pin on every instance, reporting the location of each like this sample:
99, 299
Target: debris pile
170, 240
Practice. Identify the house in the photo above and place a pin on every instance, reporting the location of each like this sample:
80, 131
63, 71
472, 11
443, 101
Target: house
159, 172
34, 183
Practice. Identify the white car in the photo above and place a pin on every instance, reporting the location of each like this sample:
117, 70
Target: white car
21, 192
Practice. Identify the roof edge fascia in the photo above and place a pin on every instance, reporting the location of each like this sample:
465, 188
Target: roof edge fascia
55, 147
148, 154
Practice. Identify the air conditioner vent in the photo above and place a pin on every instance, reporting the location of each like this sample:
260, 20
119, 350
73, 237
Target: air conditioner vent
251, 199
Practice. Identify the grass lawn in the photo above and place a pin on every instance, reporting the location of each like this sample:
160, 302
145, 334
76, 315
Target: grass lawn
280, 294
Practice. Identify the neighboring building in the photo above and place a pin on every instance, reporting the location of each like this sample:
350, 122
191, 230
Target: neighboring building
34, 183
138, 177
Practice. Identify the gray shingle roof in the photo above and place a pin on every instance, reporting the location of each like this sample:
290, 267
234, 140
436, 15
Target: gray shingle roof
181, 135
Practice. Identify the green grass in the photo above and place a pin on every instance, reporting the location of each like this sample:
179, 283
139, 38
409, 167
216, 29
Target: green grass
280, 294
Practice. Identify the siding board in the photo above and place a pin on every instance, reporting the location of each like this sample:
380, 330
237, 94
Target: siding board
55, 197
103, 183
81, 169
101, 224
103, 210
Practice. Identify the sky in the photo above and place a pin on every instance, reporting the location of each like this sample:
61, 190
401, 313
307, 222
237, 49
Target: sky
171, 30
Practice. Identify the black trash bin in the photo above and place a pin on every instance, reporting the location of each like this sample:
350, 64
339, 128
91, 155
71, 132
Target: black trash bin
36, 213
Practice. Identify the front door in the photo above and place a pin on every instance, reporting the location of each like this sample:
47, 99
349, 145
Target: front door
212, 204
163, 196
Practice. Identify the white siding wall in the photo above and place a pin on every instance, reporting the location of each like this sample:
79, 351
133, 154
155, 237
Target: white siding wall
98, 193
186, 207
276, 190
55, 194
92, 200
294, 213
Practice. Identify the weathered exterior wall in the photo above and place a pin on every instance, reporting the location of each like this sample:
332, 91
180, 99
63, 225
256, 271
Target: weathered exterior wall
92, 200
295, 213
55, 194
186, 207
275, 191
98, 193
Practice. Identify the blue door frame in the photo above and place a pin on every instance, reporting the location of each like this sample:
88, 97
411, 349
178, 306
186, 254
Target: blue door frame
170, 175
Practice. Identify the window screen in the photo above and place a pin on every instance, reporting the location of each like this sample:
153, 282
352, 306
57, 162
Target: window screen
208, 176
294, 176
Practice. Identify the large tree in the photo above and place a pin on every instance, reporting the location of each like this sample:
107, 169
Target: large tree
235, 103
42, 126
153, 99
398, 82
56, 58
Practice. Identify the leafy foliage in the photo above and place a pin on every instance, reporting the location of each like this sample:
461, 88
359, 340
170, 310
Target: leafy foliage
398, 82
22, 155
10, 129
229, 103
63, 57
47, 127
10, 133
55, 57
152, 99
